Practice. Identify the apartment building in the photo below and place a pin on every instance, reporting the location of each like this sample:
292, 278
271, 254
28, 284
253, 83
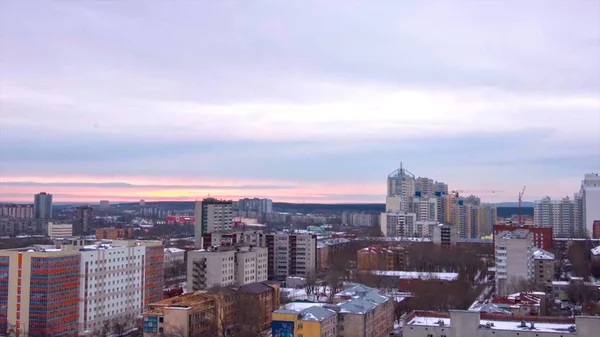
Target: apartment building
17, 211
445, 235
42, 205
291, 255
363, 311
398, 224
212, 215
114, 233
311, 321
571, 217
254, 237
84, 220
111, 284
98, 281
514, 258
40, 291
542, 236
174, 256
590, 195
226, 266
381, 258
476, 324
544, 265
56, 230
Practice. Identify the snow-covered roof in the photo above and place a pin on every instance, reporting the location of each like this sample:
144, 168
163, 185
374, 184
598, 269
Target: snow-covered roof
541, 254
173, 250
417, 275
495, 324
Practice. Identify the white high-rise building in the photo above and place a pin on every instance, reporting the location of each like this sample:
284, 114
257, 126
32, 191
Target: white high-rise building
488, 214
425, 208
401, 183
514, 253
114, 276
590, 190
212, 215
558, 214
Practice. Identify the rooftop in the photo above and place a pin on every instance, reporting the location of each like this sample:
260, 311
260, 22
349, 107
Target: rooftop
173, 250
189, 301
564, 326
541, 254
516, 234
414, 275
311, 312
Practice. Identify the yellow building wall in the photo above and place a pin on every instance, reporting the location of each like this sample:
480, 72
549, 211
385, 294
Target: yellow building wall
309, 329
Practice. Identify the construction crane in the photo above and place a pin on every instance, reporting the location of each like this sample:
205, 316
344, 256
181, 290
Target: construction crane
520, 205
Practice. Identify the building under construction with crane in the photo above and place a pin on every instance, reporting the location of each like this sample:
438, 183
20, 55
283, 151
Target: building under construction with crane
414, 206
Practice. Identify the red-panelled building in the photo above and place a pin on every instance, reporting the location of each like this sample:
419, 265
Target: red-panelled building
542, 236
39, 293
154, 274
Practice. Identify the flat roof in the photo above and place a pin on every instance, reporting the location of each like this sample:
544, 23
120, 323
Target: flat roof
510, 324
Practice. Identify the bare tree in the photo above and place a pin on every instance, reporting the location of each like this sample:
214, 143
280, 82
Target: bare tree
119, 326
173, 331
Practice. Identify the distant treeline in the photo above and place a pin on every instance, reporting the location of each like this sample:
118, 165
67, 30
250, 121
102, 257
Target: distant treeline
318, 208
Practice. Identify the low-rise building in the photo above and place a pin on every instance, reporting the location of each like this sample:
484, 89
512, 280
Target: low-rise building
59, 230
476, 324
544, 264
191, 314
114, 233
390, 257
313, 321
173, 256
519, 304
363, 311
445, 235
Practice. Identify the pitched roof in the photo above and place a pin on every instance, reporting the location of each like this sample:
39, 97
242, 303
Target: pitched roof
316, 313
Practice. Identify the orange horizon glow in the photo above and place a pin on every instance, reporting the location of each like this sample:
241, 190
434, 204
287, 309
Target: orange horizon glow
174, 190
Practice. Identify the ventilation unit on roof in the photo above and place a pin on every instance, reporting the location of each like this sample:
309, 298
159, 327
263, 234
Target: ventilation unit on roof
440, 322
523, 324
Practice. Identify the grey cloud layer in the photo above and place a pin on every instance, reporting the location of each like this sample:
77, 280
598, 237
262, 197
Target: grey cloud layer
72, 70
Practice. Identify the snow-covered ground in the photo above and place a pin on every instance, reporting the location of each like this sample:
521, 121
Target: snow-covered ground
321, 294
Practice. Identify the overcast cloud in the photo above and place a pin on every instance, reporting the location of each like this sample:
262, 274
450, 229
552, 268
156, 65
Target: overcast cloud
296, 100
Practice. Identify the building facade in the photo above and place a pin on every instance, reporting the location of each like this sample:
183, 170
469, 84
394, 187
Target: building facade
445, 235
40, 292
42, 205
590, 190
114, 233
514, 259
84, 220
291, 255
312, 321
56, 230
544, 265
476, 324
226, 266
212, 215
17, 211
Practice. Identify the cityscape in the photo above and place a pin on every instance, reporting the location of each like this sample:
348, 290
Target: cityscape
332, 168
423, 257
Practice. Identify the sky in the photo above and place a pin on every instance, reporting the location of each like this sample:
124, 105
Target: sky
299, 101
